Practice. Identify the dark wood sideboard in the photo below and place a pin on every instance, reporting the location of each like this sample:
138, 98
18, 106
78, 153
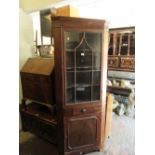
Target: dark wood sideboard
121, 52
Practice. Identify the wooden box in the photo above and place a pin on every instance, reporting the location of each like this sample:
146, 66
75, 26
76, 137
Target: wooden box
67, 10
37, 77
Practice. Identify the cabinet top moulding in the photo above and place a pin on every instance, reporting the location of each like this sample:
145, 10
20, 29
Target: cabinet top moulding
72, 22
123, 29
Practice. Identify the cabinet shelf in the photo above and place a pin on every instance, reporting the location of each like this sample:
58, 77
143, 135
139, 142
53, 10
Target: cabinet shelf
82, 50
82, 86
97, 70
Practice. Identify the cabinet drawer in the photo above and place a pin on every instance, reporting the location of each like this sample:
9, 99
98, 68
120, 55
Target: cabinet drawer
82, 110
85, 110
127, 62
113, 62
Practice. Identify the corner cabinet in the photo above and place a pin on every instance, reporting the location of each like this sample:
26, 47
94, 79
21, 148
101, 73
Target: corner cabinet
80, 79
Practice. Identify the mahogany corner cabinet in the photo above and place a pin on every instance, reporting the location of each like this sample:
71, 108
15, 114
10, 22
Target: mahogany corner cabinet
80, 74
80, 77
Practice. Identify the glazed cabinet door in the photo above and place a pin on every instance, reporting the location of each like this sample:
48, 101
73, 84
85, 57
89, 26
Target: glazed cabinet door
83, 89
82, 67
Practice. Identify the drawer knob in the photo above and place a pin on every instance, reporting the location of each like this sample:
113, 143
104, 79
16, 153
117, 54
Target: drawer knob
83, 110
36, 114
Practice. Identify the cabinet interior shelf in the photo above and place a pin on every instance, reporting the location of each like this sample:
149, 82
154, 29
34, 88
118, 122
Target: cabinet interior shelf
72, 71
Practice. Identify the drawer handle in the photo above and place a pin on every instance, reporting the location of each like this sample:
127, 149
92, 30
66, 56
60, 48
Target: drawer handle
83, 110
36, 114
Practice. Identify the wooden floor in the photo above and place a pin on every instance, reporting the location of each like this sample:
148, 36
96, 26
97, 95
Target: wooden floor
121, 142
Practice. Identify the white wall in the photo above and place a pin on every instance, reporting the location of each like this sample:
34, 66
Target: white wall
34, 5
119, 13
25, 40
36, 26
25, 44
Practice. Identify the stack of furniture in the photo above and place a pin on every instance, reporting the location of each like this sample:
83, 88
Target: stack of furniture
71, 113
38, 103
121, 53
121, 64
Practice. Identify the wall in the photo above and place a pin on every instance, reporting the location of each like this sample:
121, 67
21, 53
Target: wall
25, 43
118, 13
25, 40
34, 5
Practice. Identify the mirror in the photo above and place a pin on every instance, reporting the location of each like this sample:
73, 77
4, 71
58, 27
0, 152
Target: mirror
45, 20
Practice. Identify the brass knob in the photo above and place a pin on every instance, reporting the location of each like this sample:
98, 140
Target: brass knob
36, 114
83, 110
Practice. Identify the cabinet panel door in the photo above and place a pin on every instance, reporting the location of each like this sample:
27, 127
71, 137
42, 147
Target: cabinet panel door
127, 62
82, 132
113, 62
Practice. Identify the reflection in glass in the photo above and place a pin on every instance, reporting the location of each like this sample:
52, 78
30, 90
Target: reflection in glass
70, 95
83, 78
110, 50
83, 94
124, 45
132, 44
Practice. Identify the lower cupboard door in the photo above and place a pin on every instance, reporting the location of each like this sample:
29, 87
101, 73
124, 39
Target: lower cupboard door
82, 132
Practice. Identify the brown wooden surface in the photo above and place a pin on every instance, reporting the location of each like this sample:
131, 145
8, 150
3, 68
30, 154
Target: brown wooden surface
127, 63
38, 65
74, 120
118, 90
41, 112
108, 121
113, 62
78, 23
38, 120
37, 78
67, 10
81, 132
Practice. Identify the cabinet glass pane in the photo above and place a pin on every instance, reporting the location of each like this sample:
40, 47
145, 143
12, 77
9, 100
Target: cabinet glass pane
118, 43
72, 39
96, 60
124, 45
132, 44
83, 94
83, 60
83, 78
96, 77
110, 50
70, 95
83, 66
70, 79
96, 92
70, 60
